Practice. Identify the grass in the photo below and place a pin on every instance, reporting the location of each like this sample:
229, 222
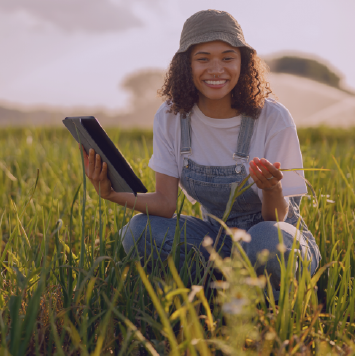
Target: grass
68, 287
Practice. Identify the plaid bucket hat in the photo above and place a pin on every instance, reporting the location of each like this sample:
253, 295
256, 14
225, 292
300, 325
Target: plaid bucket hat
211, 25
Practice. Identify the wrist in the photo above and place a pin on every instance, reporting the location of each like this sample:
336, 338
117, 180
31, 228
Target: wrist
275, 190
112, 196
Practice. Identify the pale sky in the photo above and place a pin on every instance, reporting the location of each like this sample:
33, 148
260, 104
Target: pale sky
75, 53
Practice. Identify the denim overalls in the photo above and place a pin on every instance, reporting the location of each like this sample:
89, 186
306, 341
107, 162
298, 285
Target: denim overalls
210, 186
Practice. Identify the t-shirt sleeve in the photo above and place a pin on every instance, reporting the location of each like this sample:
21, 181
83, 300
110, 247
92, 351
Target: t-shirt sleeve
284, 147
163, 159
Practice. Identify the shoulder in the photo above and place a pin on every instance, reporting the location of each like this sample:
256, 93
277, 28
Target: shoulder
275, 113
274, 117
164, 117
165, 123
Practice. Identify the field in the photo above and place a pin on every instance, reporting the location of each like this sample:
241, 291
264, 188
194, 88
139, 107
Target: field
68, 288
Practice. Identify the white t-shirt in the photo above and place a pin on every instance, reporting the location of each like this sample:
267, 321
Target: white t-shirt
213, 142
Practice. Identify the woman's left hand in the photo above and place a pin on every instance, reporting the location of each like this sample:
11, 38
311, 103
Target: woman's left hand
265, 175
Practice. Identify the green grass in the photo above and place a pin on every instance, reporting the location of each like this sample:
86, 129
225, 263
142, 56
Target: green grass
68, 287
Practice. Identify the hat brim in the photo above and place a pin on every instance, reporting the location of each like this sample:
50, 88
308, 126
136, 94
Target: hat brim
233, 40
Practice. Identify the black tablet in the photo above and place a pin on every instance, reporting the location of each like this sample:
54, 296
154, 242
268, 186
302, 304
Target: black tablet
88, 131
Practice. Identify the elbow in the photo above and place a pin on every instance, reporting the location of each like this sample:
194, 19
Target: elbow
168, 209
165, 206
164, 210
281, 215
169, 212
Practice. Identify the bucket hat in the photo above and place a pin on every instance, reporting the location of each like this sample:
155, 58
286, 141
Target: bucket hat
211, 25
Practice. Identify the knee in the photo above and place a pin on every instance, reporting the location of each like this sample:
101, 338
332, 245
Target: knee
131, 232
264, 236
262, 229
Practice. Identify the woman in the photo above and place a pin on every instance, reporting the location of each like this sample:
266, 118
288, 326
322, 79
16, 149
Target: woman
215, 123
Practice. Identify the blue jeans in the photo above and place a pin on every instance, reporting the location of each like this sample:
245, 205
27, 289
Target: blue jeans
264, 236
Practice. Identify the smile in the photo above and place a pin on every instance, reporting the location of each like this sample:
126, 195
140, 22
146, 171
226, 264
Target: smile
215, 82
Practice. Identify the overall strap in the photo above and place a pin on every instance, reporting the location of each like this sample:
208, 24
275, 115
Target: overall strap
241, 156
185, 145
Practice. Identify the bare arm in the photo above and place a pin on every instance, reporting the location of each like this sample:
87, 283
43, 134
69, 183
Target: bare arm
273, 199
161, 203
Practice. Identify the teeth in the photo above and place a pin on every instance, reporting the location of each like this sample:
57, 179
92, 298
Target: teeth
215, 82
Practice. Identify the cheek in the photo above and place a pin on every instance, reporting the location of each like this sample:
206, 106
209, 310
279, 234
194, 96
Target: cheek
236, 71
196, 73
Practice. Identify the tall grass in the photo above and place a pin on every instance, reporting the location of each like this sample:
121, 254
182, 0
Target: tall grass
68, 287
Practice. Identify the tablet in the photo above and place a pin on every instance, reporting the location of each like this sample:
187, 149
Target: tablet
87, 131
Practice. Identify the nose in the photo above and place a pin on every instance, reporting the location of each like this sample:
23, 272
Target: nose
216, 67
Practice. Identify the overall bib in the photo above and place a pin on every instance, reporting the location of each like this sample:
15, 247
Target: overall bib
210, 186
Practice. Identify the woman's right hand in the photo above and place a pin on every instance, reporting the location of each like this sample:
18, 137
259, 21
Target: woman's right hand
97, 173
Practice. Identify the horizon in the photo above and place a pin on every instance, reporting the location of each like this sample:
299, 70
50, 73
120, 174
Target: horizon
77, 59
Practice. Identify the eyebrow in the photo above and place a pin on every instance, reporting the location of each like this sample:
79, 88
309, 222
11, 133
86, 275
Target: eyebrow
227, 51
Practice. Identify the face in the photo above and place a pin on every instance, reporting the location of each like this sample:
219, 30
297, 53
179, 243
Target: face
215, 69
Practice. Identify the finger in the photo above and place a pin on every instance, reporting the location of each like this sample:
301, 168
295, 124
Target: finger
260, 184
257, 172
264, 168
273, 170
103, 174
253, 176
91, 162
98, 167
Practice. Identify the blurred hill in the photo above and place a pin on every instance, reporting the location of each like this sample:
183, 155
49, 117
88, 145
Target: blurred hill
311, 91
140, 112
305, 67
312, 103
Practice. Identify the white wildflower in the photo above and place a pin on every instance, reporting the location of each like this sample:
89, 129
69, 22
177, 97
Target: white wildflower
263, 256
194, 291
207, 241
257, 282
270, 336
220, 285
234, 307
29, 140
281, 248
240, 235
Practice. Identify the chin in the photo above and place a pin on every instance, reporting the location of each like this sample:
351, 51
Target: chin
215, 96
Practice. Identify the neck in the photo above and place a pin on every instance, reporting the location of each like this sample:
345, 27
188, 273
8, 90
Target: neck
218, 108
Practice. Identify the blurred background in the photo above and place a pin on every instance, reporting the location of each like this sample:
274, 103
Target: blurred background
107, 58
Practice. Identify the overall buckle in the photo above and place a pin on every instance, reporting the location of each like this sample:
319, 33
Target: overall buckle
240, 162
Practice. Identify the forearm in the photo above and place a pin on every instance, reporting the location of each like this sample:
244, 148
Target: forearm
273, 199
155, 203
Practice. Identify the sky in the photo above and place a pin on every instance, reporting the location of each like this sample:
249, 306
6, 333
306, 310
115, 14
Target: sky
75, 53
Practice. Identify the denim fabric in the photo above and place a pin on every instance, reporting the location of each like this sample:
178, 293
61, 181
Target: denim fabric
264, 236
210, 186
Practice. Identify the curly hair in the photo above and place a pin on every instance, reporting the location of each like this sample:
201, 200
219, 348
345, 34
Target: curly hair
248, 96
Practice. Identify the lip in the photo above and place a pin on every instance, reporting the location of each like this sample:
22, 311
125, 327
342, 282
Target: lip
216, 86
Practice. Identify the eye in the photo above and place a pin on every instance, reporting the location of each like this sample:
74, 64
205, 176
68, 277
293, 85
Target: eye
202, 59
228, 58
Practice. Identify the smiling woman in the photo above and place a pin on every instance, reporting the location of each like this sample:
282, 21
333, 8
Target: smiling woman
216, 117
250, 86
